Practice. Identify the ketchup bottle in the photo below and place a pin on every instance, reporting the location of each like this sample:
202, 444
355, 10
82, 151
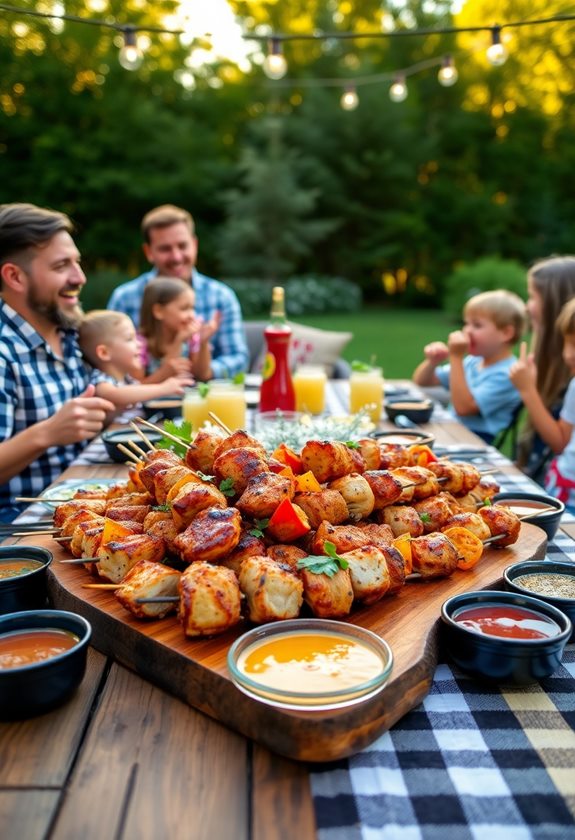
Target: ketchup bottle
277, 389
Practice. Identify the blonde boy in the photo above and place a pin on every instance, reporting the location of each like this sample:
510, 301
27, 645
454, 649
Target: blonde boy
478, 361
109, 343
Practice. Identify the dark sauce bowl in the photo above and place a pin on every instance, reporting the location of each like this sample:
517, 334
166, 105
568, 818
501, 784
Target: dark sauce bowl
498, 659
168, 408
547, 567
404, 437
418, 411
25, 591
33, 689
123, 437
547, 520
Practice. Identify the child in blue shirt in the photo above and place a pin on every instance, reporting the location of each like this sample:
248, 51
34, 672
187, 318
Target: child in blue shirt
479, 358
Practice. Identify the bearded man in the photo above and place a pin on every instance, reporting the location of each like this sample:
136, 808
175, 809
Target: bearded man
48, 411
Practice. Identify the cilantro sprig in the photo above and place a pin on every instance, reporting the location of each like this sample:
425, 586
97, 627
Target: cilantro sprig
227, 487
259, 527
182, 430
328, 564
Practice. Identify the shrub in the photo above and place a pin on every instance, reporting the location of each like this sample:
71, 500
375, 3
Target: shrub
482, 276
305, 295
100, 285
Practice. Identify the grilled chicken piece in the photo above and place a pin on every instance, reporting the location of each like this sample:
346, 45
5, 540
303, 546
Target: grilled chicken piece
407, 488
273, 592
471, 477
451, 473
69, 525
402, 519
378, 533
263, 494
155, 516
370, 452
486, 489
248, 546
167, 530
501, 520
327, 460
287, 556
118, 556
148, 580
90, 547
134, 483
326, 505
200, 455
386, 487
76, 543
344, 537
370, 578
131, 513
140, 498
359, 465
328, 597
433, 555
210, 599
240, 465
194, 498
434, 512
392, 456
148, 472
357, 494
66, 509
239, 440
472, 521
210, 536
426, 483
167, 480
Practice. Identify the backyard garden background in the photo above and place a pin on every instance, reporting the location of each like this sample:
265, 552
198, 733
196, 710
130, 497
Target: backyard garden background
378, 220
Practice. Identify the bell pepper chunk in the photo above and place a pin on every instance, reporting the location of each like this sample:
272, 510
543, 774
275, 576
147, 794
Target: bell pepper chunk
307, 483
288, 457
403, 545
288, 522
420, 455
114, 530
468, 545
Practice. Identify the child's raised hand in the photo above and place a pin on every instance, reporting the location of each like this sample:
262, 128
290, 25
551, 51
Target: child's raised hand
523, 372
458, 344
209, 328
176, 384
175, 366
436, 352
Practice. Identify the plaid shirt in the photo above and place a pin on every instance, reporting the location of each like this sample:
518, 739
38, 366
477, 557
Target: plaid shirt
34, 384
229, 350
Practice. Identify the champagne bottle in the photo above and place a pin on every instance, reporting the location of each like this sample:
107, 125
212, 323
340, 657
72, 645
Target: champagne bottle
277, 391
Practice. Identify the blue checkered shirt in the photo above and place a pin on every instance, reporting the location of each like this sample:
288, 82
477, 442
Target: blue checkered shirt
34, 384
229, 349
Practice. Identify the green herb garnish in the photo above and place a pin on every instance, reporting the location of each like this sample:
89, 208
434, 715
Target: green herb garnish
239, 378
183, 431
205, 477
319, 564
227, 487
203, 388
260, 526
163, 508
425, 518
352, 444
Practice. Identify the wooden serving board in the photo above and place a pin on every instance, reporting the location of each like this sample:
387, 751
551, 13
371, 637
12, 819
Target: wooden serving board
196, 670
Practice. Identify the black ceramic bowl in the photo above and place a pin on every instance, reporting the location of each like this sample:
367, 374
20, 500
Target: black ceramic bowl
123, 437
503, 659
168, 408
26, 590
418, 411
33, 689
405, 437
524, 502
563, 602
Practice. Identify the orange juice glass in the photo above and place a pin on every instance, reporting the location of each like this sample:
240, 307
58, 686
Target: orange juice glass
195, 409
366, 392
309, 382
227, 400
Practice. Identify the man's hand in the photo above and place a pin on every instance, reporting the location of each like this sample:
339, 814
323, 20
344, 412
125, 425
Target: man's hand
436, 352
523, 372
79, 419
458, 344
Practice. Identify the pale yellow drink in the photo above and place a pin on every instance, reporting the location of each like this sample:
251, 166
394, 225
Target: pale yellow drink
309, 382
228, 401
366, 392
195, 409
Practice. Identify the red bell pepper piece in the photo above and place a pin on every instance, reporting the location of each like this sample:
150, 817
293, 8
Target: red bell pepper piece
288, 522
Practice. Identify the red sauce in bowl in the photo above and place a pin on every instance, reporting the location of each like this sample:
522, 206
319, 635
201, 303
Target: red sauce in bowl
507, 622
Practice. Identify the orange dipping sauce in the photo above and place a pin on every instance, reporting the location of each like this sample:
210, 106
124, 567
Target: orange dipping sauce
309, 662
25, 647
507, 622
15, 568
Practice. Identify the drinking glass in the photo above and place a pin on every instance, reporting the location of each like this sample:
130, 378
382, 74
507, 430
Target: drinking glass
366, 392
195, 409
309, 382
227, 400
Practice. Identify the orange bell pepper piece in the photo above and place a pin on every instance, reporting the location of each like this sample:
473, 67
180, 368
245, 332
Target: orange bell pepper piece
420, 455
287, 472
307, 483
288, 457
288, 522
114, 530
468, 545
403, 545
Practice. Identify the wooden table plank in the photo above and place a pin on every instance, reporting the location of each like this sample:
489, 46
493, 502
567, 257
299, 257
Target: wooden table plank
282, 805
161, 768
39, 752
27, 814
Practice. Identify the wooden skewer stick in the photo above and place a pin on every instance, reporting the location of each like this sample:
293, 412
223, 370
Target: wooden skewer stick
137, 449
109, 586
219, 423
47, 532
129, 454
79, 560
163, 432
144, 437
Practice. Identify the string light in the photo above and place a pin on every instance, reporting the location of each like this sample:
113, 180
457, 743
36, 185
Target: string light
398, 90
275, 65
130, 56
448, 74
349, 98
496, 52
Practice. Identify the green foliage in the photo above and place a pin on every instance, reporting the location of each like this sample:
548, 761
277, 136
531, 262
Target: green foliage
482, 276
304, 295
101, 283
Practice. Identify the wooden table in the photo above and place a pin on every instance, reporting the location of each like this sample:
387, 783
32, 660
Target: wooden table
124, 759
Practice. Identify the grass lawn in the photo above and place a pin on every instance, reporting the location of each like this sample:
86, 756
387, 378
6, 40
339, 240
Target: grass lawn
395, 337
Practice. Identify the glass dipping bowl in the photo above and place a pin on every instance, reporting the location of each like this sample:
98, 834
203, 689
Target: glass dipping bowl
352, 689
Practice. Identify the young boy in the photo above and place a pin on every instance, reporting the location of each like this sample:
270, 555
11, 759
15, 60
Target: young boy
557, 433
479, 359
109, 343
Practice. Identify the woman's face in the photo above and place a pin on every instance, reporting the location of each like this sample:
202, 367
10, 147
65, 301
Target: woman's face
534, 304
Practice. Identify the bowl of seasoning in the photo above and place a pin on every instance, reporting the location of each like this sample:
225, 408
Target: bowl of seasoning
550, 580
125, 437
42, 660
418, 411
539, 508
504, 637
23, 577
310, 664
404, 437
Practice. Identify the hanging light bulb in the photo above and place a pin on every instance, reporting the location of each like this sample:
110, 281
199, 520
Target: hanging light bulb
398, 90
349, 98
275, 65
131, 56
496, 52
448, 74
